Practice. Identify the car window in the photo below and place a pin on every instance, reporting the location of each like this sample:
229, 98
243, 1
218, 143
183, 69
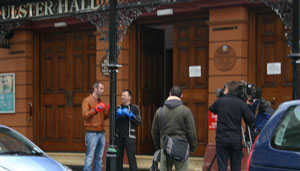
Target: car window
287, 133
12, 143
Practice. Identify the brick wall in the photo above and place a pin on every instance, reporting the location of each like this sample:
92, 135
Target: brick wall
19, 60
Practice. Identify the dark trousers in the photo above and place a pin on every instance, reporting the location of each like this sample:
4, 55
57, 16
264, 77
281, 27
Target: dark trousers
233, 151
129, 145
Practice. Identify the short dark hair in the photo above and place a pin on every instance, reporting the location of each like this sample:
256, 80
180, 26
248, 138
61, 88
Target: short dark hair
95, 85
176, 91
127, 90
233, 87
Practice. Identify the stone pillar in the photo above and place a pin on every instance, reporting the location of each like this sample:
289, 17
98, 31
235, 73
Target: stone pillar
228, 56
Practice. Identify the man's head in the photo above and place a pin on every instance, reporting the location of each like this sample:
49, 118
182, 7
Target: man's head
231, 87
98, 89
6, 82
176, 91
126, 97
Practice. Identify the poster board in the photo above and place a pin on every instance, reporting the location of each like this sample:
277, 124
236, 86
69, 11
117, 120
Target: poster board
7, 93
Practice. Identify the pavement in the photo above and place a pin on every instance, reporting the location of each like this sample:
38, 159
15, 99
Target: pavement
76, 161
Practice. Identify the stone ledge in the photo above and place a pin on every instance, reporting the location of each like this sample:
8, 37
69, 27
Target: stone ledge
143, 161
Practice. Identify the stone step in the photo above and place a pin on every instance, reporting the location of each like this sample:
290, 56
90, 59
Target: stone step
76, 160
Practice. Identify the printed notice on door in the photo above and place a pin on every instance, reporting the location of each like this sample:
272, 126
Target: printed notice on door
274, 68
195, 71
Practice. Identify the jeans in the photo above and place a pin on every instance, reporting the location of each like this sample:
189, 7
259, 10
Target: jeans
166, 163
95, 143
129, 145
233, 151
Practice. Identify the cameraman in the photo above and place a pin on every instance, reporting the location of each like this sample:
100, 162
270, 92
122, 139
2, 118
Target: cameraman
230, 110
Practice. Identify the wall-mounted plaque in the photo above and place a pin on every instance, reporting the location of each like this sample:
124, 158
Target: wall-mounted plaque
225, 58
103, 66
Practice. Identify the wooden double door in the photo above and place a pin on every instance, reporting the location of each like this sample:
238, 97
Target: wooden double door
190, 49
272, 47
67, 71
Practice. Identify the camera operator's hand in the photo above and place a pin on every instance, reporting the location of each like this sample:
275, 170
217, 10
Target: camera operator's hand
250, 101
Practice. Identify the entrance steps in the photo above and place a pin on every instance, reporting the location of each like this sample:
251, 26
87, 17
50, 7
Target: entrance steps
76, 161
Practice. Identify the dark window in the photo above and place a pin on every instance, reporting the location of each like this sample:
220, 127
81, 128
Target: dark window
287, 132
12, 143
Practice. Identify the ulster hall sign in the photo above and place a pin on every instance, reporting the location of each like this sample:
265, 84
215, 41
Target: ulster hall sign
47, 9
13, 14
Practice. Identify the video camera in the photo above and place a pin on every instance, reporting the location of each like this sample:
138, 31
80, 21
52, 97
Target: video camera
245, 91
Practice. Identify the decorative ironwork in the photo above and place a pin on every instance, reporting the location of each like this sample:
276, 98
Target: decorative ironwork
5, 29
97, 14
127, 12
283, 8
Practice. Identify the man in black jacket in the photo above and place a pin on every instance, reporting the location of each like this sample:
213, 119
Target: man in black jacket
128, 117
230, 110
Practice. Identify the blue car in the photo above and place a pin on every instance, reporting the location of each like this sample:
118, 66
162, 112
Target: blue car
277, 147
17, 153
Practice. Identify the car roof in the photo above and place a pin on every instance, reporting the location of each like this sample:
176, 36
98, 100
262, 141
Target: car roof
3, 126
283, 106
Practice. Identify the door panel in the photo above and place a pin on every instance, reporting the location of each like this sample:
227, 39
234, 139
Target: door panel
54, 103
67, 72
150, 88
82, 76
190, 49
182, 67
272, 47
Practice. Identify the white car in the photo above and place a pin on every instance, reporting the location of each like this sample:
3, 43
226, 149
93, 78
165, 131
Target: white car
17, 153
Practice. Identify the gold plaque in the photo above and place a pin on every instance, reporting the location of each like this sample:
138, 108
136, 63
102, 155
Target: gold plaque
225, 58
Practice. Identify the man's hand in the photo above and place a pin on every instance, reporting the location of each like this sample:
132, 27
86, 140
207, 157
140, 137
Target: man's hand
119, 113
125, 112
129, 114
99, 107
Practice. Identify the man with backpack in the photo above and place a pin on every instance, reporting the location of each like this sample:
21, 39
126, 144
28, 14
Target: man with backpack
174, 120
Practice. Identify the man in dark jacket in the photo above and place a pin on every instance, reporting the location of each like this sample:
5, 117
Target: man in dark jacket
262, 110
230, 110
128, 117
178, 122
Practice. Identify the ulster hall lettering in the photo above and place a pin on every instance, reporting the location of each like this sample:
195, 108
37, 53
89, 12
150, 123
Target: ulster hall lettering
47, 8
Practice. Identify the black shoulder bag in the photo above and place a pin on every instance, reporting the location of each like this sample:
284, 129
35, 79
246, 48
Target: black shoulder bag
177, 149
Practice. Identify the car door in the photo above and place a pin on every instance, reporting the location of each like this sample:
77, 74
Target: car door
278, 145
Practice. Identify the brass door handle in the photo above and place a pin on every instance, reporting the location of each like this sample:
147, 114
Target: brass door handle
67, 97
30, 111
71, 98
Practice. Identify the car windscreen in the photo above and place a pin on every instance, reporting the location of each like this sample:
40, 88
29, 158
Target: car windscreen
287, 133
11, 143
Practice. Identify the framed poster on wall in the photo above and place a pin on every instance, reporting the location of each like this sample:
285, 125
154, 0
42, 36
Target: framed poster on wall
7, 93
